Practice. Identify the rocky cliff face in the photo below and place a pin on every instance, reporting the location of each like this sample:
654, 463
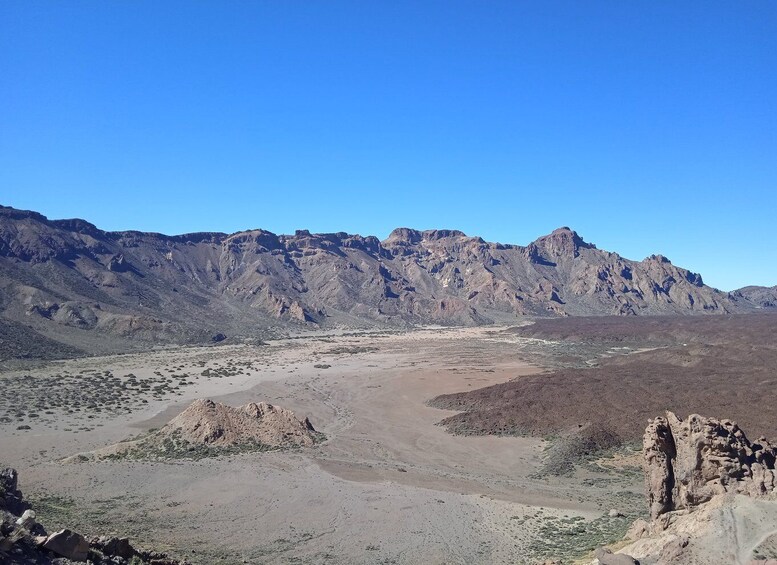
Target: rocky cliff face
712, 495
687, 462
66, 277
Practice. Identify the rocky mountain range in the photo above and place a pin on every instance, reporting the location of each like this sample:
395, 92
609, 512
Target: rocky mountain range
68, 287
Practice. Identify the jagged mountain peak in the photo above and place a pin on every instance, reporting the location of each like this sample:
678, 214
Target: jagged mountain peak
562, 242
412, 236
408, 235
564, 231
657, 258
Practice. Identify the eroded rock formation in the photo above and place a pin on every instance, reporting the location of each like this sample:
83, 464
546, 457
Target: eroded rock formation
687, 462
712, 495
212, 423
209, 429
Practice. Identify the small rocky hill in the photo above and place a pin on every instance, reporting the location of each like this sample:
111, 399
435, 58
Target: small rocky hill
207, 429
69, 287
210, 423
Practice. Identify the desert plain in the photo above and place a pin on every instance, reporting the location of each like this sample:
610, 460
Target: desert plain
387, 485
492, 444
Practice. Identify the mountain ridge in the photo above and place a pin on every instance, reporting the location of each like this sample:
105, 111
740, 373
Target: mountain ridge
98, 290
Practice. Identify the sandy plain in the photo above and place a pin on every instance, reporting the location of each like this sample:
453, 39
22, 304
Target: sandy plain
387, 486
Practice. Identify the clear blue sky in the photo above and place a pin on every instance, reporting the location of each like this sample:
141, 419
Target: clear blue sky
649, 127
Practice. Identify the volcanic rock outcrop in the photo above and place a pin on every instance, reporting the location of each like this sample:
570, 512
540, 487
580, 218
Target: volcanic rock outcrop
210, 429
761, 297
11, 498
210, 423
687, 462
712, 496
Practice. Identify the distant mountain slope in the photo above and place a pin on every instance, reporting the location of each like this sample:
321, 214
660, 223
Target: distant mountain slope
758, 296
101, 291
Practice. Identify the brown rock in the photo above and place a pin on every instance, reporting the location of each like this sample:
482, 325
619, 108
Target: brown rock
210, 423
673, 551
607, 557
639, 529
120, 547
687, 462
68, 544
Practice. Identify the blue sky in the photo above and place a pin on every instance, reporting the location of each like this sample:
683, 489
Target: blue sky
649, 127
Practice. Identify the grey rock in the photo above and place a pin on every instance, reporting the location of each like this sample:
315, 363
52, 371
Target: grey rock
11, 498
9, 480
26, 520
639, 529
673, 551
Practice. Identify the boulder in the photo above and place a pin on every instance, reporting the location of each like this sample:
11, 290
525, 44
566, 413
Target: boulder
674, 550
68, 544
639, 529
607, 557
687, 462
27, 520
9, 480
11, 499
120, 547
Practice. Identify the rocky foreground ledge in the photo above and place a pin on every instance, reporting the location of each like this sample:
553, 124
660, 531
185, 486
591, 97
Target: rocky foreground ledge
712, 495
24, 541
688, 462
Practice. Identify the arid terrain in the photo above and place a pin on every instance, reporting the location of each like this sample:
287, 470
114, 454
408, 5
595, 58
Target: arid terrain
386, 484
724, 365
388, 283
